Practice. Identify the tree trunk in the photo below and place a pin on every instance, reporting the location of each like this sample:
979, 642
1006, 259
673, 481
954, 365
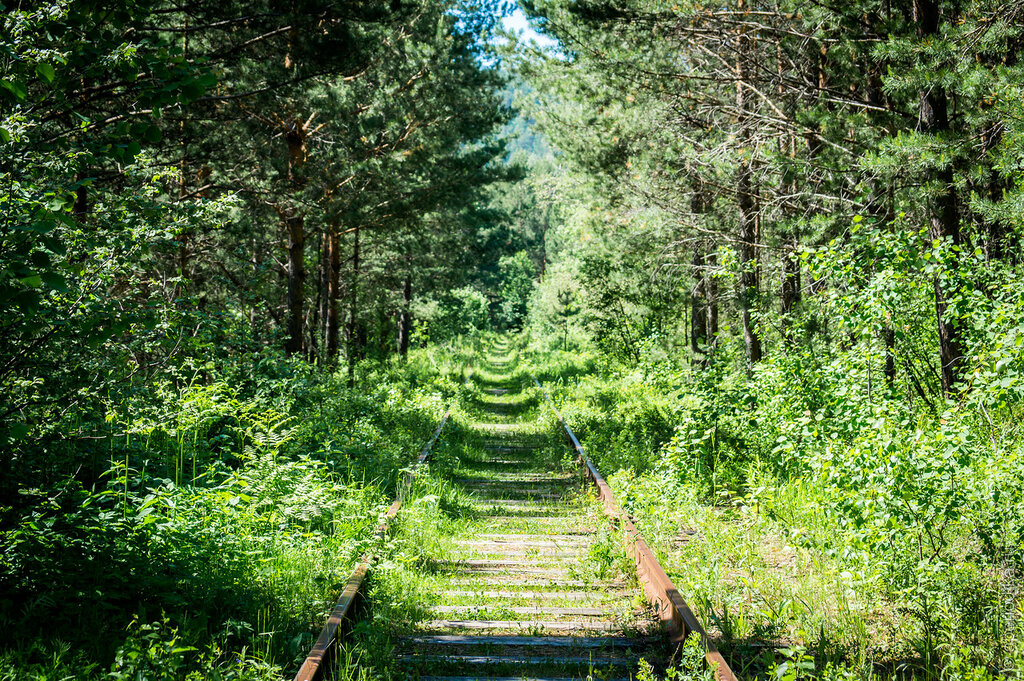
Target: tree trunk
699, 299
81, 206
352, 331
710, 262
323, 287
790, 294
698, 309
944, 218
255, 268
994, 230
405, 318
315, 323
296, 138
745, 200
748, 267
333, 294
296, 281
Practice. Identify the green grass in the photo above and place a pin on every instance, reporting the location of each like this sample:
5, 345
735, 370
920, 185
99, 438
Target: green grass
448, 508
225, 521
843, 544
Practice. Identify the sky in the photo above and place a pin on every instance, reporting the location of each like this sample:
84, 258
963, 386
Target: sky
517, 23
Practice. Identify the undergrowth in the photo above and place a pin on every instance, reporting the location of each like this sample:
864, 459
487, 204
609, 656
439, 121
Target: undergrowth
209, 531
823, 532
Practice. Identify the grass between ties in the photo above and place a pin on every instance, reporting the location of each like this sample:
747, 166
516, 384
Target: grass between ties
501, 563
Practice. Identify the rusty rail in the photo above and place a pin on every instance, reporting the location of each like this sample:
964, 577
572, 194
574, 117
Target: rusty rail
312, 667
676, 616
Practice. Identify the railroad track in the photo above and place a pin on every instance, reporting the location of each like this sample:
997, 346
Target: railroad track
530, 591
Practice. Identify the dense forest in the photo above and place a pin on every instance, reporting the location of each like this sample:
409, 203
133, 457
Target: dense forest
766, 254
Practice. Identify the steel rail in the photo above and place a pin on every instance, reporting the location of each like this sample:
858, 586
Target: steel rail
675, 614
313, 665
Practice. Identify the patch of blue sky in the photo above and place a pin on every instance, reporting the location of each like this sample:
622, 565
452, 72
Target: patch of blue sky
518, 23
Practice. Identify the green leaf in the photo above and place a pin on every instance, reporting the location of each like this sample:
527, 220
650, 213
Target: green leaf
46, 72
153, 134
54, 281
17, 90
5, 136
27, 301
191, 92
18, 431
32, 281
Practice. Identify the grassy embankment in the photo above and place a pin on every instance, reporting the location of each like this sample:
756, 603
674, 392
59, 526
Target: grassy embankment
208, 532
819, 531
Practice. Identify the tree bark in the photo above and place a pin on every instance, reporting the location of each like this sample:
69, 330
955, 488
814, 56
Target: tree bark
699, 298
296, 138
317, 323
745, 200
405, 318
748, 266
698, 306
790, 293
296, 281
254, 264
81, 206
711, 261
353, 302
944, 219
333, 294
994, 230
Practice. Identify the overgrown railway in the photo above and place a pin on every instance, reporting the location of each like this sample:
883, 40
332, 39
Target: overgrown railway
530, 591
